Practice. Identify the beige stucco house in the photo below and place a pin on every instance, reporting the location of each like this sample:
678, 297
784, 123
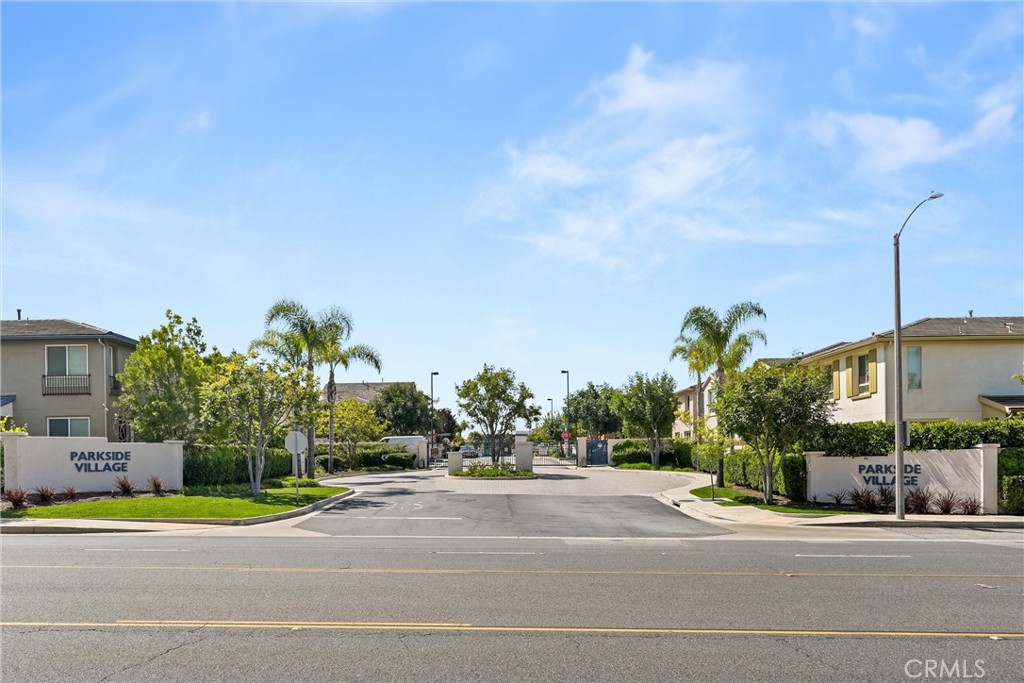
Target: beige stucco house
59, 376
959, 368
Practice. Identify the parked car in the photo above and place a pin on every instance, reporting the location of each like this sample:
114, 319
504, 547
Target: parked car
469, 451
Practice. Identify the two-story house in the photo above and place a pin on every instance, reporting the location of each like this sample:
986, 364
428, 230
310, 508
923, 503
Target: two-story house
960, 368
59, 376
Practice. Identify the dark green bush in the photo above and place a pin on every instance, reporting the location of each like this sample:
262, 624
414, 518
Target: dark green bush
1013, 495
794, 477
743, 468
631, 456
226, 464
679, 453
877, 438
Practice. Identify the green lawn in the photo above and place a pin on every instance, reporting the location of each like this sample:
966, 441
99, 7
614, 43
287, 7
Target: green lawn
182, 507
738, 497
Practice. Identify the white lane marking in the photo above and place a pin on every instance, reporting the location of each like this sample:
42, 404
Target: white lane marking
873, 556
402, 518
478, 552
135, 550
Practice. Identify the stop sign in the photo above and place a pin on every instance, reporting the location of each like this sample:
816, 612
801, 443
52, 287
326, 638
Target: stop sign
565, 435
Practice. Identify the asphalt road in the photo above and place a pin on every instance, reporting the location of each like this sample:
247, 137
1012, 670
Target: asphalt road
506, 593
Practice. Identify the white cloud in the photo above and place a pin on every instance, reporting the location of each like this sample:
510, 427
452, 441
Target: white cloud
659, 150
888, 143
200, 121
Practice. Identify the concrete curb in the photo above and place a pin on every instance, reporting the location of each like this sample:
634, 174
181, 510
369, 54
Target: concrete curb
23, 528
980, 523
494, 478
836, 521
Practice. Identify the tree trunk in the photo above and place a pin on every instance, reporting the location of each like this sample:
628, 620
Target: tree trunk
769, 482
330, 443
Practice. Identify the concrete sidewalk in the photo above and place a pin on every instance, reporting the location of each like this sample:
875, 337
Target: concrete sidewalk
707, 510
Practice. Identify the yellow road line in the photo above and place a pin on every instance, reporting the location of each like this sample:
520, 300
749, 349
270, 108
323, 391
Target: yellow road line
413, 626
546, 572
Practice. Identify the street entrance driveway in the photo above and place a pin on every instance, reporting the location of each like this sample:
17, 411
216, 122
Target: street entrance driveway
561, 503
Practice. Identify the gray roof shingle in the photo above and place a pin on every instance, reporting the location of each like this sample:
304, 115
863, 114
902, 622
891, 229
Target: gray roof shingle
25, 330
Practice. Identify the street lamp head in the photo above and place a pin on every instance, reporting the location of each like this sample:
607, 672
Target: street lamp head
935, 195
433, 373
565, 372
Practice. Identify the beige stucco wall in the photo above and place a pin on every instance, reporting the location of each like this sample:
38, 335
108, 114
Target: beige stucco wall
967, 472
953, 374
22, 366
88, 464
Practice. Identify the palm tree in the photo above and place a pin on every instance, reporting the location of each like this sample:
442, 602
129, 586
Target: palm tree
698, 359
302, 339
723, 342
334, 355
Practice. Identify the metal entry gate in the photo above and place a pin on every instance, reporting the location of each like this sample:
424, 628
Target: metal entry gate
550, 455
597, 452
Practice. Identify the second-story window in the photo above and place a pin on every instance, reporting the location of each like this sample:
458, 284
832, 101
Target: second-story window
67, 360
913, 367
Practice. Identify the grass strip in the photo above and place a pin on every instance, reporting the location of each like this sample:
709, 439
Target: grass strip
227, 506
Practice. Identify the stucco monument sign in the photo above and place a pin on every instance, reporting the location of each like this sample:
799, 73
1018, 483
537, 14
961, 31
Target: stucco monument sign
88, 463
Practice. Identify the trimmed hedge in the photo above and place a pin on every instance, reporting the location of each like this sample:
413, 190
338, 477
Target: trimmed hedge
794, 476
674, 453
225, 464
1013, 495
877, 438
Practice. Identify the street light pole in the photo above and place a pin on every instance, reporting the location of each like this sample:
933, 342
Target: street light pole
898, 360
431, 446
568, 451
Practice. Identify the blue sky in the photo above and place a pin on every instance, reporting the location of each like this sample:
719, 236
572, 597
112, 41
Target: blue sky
542, 187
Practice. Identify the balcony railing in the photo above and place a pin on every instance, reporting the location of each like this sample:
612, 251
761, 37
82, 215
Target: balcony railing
115, 386
66, 385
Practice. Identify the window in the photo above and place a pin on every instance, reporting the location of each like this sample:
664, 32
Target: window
913, 367
862, 374
67, 426
67, 360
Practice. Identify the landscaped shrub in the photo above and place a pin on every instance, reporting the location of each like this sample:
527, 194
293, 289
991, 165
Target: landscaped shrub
45, 494
865, 499
918, 501
877, 438
125, 485
226, 464
742, 468
1010, 464
1013, 495
156, 485
838, 496
946, 502
636, 466
794, 477
677, 453
18, 498
970, 506
630, 451
70, 493
289, 483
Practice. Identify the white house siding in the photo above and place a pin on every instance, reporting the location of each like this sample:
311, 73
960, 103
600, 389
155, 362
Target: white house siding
954, 374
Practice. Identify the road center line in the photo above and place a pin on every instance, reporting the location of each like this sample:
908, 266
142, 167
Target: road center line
403, 518
475, 552
400, 626
873, 556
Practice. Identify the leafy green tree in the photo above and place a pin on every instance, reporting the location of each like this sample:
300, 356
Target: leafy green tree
647, 407
494, 401
774, 408
405, 408
297, 337
162, 381
591, 408
356, 422
253, 400
445, 422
